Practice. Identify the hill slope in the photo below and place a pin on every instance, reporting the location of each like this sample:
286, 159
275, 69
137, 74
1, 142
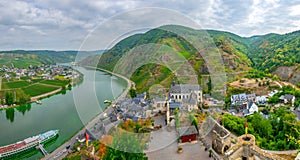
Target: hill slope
22, 58
231, 48
270, 53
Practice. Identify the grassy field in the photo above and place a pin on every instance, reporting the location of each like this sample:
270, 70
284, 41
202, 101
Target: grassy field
14, 84
36, 80
38, 89
56, 82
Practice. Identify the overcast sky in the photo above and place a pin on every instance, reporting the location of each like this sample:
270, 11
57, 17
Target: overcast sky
64, 24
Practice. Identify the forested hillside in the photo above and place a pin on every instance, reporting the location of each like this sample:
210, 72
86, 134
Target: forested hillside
266, 53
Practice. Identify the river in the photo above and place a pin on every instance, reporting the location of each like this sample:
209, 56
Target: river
67, 112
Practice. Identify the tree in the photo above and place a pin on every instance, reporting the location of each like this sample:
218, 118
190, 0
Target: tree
105, 141
21, 97
209, 85
125, 145
132, 93
9, 97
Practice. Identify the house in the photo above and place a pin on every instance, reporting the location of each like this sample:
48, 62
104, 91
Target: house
251, 109
251, 97
179, 92
239, 99
159, 105
188, 134
261, 100
287, 98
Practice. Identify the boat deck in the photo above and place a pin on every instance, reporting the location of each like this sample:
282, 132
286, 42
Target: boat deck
12, 147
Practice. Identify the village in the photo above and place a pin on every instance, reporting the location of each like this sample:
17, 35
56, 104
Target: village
46, 72
188, 121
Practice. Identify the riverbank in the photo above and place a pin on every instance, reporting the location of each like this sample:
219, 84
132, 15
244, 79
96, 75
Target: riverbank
60, 89
61, 152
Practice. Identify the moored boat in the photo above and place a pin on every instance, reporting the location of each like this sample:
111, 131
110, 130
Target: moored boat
27, 144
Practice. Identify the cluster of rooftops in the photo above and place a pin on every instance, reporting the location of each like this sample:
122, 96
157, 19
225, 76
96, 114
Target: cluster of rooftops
181, 96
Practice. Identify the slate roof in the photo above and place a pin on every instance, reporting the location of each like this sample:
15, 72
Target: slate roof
239, 97
288, 97
141, 96
174, 105
251, 96
159, 99
186, 131
206, 96
184, 88
192, 100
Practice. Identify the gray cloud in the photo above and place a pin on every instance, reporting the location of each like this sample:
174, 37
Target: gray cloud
63, 24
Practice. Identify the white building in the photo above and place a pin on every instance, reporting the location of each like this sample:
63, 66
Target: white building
251, 109
181, 92
261, 99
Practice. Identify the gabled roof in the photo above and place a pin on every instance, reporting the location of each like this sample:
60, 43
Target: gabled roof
288, 97
186, 131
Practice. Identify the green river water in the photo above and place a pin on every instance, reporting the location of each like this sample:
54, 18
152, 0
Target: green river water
66, 112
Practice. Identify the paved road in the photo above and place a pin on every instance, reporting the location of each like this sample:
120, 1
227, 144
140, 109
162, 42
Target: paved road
61, 151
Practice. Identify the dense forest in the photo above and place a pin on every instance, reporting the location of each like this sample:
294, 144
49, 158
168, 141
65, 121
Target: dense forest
278, 132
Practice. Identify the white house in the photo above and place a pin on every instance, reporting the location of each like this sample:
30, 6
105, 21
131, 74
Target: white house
251, 109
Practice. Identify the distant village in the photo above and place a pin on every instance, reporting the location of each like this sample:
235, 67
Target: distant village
47, 72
